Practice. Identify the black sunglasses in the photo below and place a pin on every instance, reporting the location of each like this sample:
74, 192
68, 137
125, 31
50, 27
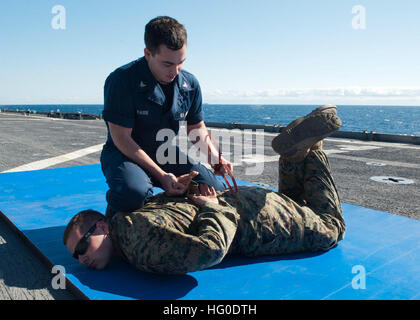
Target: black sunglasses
83, 243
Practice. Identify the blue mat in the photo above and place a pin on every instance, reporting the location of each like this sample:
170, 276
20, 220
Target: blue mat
378, 259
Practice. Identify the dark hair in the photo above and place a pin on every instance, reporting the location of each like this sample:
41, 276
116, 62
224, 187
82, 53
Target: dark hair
164, 30
83, 220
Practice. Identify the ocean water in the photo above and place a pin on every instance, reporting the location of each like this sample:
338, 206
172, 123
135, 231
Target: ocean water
381, 119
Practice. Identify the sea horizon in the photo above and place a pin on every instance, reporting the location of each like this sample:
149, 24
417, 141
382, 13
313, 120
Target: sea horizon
392, 119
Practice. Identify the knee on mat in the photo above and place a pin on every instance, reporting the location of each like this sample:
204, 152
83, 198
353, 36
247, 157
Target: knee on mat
129, 198
331, 238
207, 177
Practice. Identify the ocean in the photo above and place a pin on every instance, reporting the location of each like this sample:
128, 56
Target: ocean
381, 119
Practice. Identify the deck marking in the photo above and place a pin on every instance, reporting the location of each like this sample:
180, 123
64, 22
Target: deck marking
45, 163
387, 162
346, 148
399, 145
392, 180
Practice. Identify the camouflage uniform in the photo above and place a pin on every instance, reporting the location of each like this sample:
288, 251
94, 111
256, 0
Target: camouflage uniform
173, 235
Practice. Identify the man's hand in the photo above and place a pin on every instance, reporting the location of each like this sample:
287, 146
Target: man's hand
200, 137
176, 186
186, 178
171, 186
222, 168
204, 195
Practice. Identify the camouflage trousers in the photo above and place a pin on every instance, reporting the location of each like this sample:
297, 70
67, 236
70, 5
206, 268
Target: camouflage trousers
305, 215
311, 184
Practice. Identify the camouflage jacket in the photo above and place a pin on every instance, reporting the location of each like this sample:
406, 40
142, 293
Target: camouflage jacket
173, 235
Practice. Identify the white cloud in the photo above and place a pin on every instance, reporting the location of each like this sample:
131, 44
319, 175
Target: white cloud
392, 95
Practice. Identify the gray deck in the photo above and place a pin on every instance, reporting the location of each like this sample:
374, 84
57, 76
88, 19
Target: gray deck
27, 140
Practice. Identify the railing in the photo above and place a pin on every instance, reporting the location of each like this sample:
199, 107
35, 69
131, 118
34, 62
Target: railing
364, 135
57, 114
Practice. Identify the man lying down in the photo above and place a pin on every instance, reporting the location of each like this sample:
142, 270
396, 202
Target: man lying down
176, 235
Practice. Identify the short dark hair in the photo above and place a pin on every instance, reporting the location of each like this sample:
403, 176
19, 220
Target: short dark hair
164, 30
83, 220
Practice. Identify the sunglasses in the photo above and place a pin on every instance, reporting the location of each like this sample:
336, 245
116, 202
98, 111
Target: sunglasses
83, 243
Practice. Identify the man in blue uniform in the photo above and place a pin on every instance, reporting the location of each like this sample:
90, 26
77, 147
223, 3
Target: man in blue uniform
140, 99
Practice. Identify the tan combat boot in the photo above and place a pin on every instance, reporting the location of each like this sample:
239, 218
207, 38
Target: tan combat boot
295, 141
318, 145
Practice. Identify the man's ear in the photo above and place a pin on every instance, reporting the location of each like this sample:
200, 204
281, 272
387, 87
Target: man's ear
103, 225
147, 54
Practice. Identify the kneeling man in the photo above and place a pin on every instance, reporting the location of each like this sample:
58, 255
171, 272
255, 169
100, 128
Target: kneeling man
176, 235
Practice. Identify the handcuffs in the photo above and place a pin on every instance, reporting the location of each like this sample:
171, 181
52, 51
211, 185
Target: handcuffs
193, 186
218, 167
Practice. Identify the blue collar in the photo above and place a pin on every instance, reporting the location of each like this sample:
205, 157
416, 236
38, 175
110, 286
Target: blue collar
149, 85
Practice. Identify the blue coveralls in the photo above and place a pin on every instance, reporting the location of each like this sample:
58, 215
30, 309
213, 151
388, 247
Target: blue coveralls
134, 99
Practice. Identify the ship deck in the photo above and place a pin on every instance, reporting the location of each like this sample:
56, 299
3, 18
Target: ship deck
38, 142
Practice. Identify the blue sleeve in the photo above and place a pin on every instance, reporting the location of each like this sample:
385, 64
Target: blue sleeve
118, 103
195, 113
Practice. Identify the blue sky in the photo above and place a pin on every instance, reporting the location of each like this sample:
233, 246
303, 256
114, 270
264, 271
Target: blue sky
259, 52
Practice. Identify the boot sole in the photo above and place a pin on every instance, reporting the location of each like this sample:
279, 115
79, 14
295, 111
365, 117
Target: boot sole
311, 129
